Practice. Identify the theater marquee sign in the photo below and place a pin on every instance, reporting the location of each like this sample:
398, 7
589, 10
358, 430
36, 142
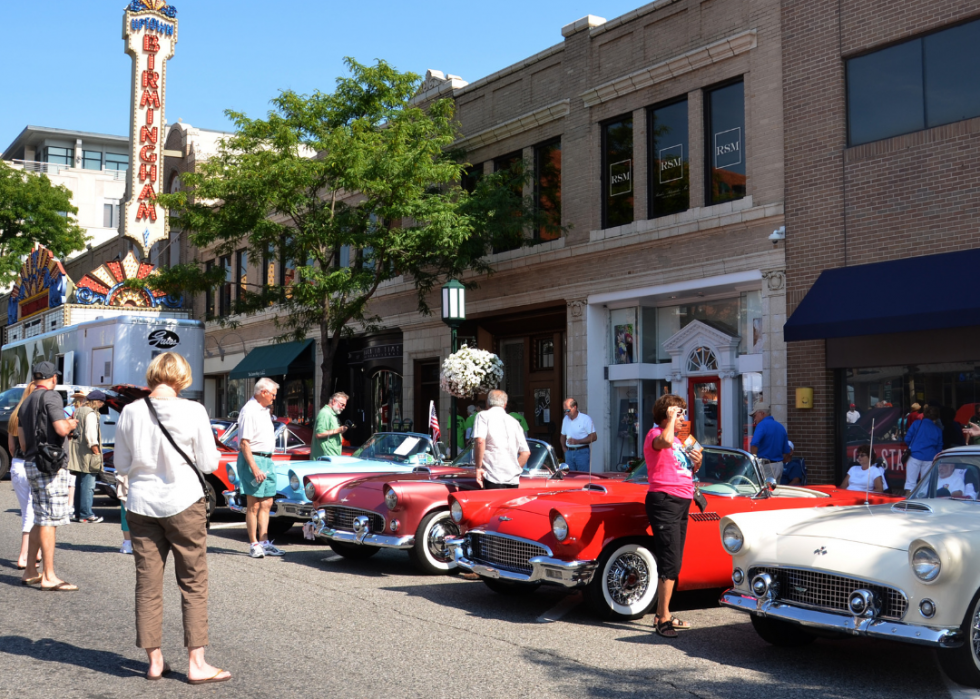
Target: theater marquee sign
150, 32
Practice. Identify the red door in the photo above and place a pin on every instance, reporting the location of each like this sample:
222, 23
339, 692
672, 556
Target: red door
704, 409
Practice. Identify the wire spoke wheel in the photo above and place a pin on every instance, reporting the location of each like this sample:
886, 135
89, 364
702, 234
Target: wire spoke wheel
628, 579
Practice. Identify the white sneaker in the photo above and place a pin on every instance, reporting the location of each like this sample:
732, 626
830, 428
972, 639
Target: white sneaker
257, 551
127, 547
271, 550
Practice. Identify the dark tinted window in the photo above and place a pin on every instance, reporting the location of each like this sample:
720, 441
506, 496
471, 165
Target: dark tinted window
725, 119
617, 158
884, 93
952, 74
471, 176
669, 172
547, 184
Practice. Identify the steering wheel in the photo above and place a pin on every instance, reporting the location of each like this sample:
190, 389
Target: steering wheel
733, 480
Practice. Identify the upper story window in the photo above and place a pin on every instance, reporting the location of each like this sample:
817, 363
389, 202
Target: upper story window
617, 169
669, 176
724, 112
241, 269
60, 156
471, 176
547, 187
209, 294
110, 214
92, 159
224, 292
116, 161
914, 85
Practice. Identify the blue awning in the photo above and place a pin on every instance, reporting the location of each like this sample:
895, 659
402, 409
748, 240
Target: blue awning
912, 294
273, 360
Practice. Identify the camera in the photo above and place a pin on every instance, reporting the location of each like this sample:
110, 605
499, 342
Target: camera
349, 425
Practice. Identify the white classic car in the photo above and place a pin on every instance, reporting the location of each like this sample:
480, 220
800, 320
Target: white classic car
905, 572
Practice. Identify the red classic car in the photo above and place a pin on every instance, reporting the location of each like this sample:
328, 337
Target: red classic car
598, 536
410, 511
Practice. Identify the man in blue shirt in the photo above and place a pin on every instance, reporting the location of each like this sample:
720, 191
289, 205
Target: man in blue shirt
769, 440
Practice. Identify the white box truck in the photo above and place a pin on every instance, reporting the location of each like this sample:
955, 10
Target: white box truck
108, 351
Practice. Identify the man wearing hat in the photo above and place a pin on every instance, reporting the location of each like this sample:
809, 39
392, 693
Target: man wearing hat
85, 455
42, 420
769, 440
853, 415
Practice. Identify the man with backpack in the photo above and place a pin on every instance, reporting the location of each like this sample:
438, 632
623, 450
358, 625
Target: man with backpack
43, 430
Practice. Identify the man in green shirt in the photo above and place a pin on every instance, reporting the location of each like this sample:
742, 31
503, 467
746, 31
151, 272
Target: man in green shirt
327, 430
520, 418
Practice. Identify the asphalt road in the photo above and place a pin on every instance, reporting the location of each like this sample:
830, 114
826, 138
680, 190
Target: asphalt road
311, 624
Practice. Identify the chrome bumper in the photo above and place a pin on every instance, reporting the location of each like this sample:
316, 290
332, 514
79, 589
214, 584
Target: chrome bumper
362, 538
543, 568
291, 509
842, 623
231, 499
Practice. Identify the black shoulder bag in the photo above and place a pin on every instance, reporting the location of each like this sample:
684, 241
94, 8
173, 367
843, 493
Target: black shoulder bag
187, 459
50, 459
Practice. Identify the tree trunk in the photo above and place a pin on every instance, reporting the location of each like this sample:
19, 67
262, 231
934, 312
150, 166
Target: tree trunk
326, 368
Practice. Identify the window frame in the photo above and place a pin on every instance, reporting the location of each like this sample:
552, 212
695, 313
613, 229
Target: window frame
125, 161
651, 156
86, 159
604, 179
709, 146
538, 147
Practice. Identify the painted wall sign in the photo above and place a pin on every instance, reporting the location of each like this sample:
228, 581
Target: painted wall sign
728, 148
163, 338
106, 286
620, 178
150, 32
42, 285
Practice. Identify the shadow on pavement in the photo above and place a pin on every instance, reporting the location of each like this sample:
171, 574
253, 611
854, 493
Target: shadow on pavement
58, 652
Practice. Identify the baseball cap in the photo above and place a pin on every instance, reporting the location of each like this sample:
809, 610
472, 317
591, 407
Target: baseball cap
44, 370
853, 406
96, 395
760, 407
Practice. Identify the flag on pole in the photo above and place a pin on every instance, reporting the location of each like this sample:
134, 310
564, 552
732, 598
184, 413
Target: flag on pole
434, 421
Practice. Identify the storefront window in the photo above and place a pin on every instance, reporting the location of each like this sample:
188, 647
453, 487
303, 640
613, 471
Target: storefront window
623, 326
723, 314
648, 331
386, 392
751, 323
295, 400
617, 180
624, 412
238, 392
883, 396
751, 393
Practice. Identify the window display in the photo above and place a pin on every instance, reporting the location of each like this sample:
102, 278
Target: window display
623, 325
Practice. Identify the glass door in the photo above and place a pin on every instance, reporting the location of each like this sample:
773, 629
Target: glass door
704, 409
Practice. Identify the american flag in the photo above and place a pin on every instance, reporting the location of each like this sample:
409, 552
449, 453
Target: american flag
434, 421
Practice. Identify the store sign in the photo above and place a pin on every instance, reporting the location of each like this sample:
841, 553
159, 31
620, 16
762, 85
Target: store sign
163, 338
671, 163
150, 31
371, 354
728, 148
41, 285
621, 178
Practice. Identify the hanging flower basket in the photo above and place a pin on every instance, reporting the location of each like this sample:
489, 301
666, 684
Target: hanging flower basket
470, 372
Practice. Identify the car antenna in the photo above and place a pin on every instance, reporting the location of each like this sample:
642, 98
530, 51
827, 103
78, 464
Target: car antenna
871, 450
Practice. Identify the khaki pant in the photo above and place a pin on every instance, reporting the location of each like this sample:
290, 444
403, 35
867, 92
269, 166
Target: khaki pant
153, 540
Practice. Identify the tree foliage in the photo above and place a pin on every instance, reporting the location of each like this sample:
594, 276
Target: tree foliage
34, 211
347, 190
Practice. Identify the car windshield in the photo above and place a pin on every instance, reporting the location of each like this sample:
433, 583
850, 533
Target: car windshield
230, 437
396, 447
721, 473
952, 477
539, 460
10, 397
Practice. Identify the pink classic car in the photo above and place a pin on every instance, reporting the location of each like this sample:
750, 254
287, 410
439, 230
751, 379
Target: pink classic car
360, 516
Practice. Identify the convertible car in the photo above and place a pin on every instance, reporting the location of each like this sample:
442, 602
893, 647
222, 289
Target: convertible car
385, 452
411, 512
598, 537
906, 572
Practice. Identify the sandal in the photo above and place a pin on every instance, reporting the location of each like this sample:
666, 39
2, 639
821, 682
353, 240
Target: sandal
60, 587
216, 678
666, 629
678, 624
30, 581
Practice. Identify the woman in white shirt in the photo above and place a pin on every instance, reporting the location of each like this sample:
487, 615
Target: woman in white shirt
858, 476
166, 510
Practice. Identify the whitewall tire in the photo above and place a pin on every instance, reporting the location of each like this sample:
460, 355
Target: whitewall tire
625, 583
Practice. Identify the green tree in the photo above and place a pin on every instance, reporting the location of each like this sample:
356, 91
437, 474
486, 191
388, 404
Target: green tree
34, 211
282, 187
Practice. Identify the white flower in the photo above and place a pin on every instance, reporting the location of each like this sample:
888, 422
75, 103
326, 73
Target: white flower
471, 371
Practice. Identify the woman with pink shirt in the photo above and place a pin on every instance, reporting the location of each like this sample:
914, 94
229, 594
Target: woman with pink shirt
670, 471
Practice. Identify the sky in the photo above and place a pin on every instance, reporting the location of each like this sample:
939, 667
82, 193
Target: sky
63, 65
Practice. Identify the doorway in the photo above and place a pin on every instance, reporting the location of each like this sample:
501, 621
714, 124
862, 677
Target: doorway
703, 407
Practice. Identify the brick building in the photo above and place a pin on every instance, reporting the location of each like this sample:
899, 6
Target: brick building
882, 141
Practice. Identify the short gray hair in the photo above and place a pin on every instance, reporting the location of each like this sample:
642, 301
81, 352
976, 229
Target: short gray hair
497, 399
338, 394
265, 385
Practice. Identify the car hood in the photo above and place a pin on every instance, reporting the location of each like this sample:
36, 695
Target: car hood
883, 526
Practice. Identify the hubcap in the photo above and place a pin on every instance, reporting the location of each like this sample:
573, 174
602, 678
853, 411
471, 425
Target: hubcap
436, 540
975, 635
628, 579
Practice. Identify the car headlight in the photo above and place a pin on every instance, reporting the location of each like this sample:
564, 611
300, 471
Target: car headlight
310, 491
391, 499
294, 481
232, 476
731, 538
559, 527
456, 512
926, 564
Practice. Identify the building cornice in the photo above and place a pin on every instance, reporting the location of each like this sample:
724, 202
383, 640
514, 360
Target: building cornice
671, 68
517, 125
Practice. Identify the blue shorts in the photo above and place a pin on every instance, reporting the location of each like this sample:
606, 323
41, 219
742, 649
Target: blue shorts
265, 489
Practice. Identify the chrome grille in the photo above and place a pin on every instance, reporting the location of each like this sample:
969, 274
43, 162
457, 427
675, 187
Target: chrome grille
342, 518
502, 552
812, 588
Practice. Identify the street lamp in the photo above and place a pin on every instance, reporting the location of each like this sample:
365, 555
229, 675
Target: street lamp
453, 315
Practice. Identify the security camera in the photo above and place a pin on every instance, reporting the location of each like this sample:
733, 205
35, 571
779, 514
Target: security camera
777, 235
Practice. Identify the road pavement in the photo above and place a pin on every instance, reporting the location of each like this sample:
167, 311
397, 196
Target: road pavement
315, 624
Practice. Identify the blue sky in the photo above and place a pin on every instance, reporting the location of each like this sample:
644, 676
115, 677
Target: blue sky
63, 63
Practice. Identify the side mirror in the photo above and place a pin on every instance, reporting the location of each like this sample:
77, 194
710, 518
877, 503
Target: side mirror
771, 484
563, 470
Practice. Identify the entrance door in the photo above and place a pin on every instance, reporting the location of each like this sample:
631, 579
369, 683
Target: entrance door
704, 408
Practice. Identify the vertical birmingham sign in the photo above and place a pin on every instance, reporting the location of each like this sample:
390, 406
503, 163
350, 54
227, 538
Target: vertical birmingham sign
150, 32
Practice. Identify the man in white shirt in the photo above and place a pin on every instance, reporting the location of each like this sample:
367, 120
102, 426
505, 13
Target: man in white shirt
577, 435
499, 448
256, 470
853, 415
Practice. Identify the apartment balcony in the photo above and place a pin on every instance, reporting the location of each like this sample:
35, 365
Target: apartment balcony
56, 169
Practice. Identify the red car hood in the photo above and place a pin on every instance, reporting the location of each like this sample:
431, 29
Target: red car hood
359, 487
